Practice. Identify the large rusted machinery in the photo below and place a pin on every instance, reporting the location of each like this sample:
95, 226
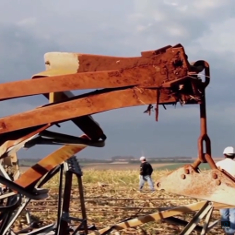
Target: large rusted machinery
160, 77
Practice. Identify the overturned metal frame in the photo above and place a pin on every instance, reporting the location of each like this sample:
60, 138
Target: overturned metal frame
161, 77
203, 210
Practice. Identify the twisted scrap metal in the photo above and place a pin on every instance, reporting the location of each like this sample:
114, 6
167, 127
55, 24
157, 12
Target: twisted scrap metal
161, 77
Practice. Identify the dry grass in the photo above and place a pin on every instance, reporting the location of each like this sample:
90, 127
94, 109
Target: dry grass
119, 166
112, 196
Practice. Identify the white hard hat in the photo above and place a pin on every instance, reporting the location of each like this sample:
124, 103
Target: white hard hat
229, 151
142, 158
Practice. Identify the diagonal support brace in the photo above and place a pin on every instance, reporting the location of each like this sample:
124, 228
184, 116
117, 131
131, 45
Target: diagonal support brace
207, 208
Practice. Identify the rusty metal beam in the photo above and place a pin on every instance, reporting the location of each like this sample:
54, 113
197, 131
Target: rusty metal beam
36, 172
146, 71
55, 113
149, 76
154, 69
162, 76
153, 217
63, 63
80, 62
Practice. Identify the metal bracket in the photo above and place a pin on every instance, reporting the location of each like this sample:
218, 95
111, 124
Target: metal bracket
204, 212
42, 231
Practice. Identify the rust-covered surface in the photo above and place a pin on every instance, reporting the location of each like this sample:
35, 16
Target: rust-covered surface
85, 105
163, 76
212, 185
37, 171
158, 77
79, 62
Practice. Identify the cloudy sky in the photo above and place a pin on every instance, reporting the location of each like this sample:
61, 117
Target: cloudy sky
29, 29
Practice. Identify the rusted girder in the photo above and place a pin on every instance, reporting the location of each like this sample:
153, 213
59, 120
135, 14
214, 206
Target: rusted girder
165, 71
170, 57
61, 63
168, 213
85, 105
36, 172
156, 71
162, 76
148, 76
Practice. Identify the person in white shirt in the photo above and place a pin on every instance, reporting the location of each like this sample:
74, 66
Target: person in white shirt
228, 164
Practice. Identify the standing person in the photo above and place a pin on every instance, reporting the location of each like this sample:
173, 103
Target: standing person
228, 164
146, 171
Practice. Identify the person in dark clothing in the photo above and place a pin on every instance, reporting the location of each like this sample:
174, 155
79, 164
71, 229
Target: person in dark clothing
146, 171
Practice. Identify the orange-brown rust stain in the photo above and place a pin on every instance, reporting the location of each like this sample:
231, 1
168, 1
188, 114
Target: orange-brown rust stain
80, 107
145, 75
94, 72
198, 185
46, 164
165, 59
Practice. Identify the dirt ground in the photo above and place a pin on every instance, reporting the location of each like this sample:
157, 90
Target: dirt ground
113, 196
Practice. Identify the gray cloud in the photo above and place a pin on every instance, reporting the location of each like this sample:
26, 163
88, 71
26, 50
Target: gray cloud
22, 56
125, 28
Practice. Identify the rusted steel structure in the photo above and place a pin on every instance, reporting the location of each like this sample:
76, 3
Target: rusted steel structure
159, 77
